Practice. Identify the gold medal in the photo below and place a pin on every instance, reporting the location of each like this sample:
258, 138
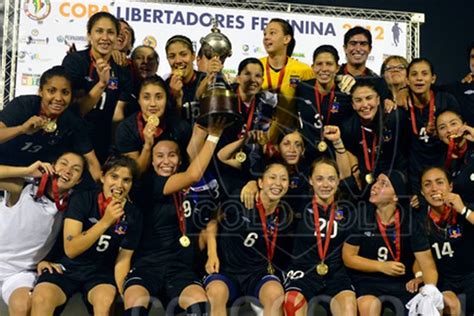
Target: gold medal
369, 178
240, 156
50, 126
322, 146
178, 72
322, 269
153, 120
270, 269
184, 241
263, 140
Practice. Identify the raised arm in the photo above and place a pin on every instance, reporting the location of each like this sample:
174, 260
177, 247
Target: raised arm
88, 100
198, 138
12, 178
344, 159
198, 165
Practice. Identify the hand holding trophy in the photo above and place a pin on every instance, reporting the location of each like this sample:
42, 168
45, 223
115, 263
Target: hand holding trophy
219, 99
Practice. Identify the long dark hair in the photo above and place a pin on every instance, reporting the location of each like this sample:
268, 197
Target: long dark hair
287, 30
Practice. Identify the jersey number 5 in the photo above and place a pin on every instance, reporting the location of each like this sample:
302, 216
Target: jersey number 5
103, 243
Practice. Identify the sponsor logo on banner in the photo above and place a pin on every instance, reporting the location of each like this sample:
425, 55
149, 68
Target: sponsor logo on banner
258, 50
149, 41
30, 79
25, 56
245, 49
80, 10
71, 39
30, 40
37, 10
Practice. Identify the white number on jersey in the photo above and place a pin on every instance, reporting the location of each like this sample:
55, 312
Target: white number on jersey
192, 109
102, 99
250, 239
322, 225
424, 135
294, 275
187, 208
103, 243
446, 250
382, 254
318, 123
31, 148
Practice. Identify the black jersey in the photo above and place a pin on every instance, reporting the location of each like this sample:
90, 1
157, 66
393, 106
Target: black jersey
426, 149
305, 250
241, 241
462, 173
190, 109
334, 110
367, 236
389, 131
101, 255
70, 134
80, 67
464, 94
129, 139
298, 188
161, 232
264, 105
451, 246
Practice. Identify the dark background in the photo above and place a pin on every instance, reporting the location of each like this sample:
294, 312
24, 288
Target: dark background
447, 32
444, 37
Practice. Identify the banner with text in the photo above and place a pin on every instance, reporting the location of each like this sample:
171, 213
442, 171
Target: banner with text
48, 27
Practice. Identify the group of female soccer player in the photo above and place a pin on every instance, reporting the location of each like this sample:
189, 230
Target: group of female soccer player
351, 191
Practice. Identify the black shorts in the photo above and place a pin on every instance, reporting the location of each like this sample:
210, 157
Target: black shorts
310, 284
392, 294
463, 287
248, 284
164, 282
70, 285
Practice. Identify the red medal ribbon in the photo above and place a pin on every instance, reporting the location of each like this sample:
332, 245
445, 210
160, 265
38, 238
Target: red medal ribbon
323, 251
141, 126
449, 215
382, 229
280, 76
454, 149
92, 64
369, 163
178, 205
103, 203
263, 218
61, 206
248, 126
430, 114
57, 199
319, 97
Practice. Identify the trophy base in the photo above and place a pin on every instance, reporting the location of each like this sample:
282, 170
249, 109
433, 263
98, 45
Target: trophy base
231, 118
